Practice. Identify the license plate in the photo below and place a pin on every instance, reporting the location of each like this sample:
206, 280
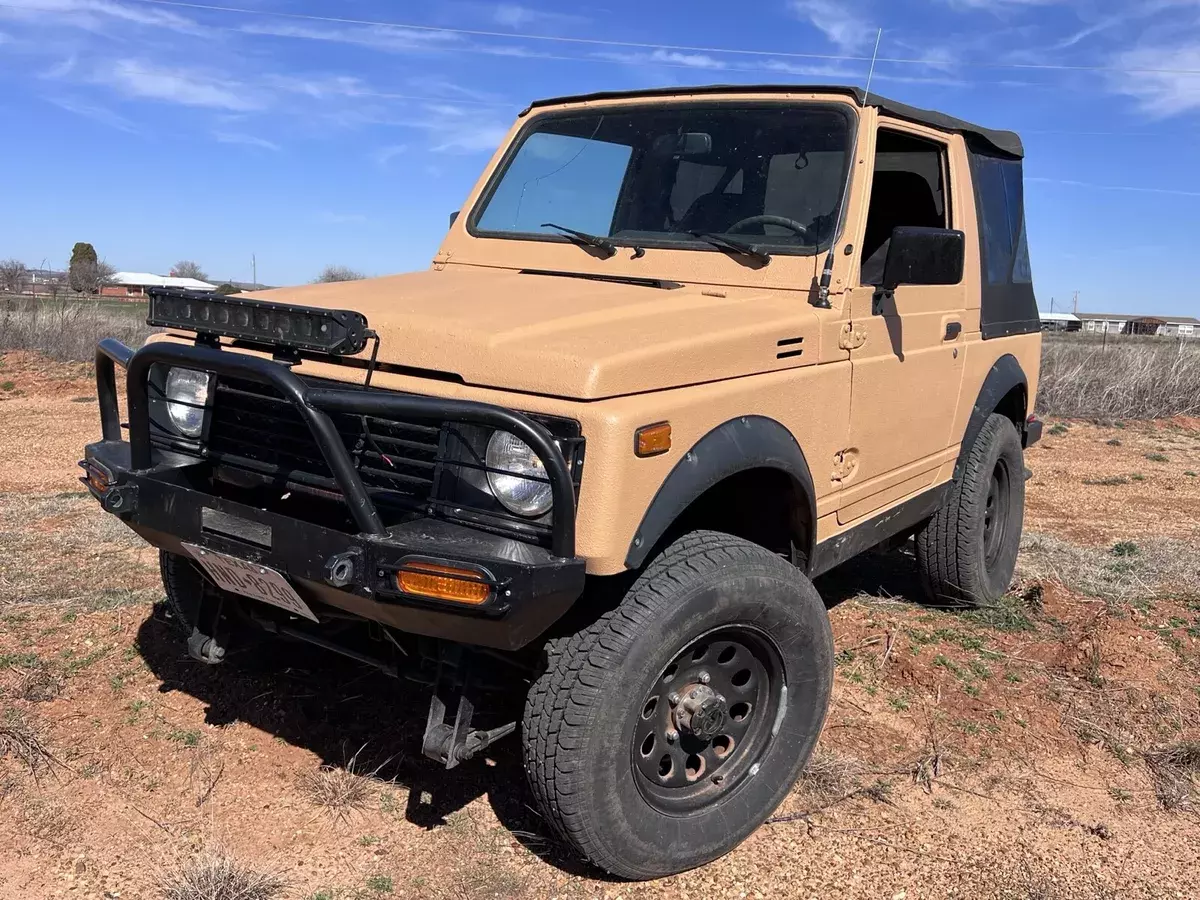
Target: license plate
250, 580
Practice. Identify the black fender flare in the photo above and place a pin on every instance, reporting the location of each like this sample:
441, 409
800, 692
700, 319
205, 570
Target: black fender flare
741, 444
1006, 373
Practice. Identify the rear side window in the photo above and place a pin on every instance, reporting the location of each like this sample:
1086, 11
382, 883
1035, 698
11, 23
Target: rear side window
1007, 304
1001, 198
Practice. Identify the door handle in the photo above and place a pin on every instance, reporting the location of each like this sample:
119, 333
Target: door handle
953, 330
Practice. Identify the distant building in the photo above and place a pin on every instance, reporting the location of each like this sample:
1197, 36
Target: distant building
134, 284
1120, 323
1053, 321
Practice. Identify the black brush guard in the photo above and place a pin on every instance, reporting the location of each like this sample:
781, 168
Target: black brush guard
150, 490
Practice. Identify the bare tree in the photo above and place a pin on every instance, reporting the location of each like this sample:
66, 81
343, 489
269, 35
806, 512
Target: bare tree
12, 275
338, 273
186, 268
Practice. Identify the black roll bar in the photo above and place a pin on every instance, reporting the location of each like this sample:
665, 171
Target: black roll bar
314, 405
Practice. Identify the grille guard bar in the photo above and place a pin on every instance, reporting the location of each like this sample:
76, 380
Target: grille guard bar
313, 405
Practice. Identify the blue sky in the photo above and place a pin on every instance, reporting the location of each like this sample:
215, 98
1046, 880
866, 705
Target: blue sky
162, 130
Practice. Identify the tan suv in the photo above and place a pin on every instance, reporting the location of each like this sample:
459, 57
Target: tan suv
682, 352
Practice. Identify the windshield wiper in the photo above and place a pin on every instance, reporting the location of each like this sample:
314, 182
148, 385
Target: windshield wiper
582, 237
727, 243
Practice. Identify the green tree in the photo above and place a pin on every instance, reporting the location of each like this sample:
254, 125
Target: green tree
226, 289
87, 273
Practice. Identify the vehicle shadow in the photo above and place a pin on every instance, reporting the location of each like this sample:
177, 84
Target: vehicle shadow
344, 711
890, 575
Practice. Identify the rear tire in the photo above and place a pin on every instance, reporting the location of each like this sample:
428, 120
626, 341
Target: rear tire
661, 736
967, 552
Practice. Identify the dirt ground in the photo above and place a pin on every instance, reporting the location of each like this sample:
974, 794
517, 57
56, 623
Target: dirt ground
1016, 752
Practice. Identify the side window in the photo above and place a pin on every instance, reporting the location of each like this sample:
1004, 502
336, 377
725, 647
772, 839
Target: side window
909, 188
1002, 220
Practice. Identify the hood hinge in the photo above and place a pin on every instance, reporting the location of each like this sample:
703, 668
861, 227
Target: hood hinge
852, 337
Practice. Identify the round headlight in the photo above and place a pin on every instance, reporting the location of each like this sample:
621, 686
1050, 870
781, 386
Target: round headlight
187, 394
512, 485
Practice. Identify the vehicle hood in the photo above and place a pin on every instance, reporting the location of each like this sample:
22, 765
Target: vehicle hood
563, 336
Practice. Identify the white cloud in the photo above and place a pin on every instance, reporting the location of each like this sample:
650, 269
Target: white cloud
384, 155
96, 113
60, 69
92, 15
246, 140
517, 17
660, 57
393, 39
841, 24
453, 129
187, 87
1161, 93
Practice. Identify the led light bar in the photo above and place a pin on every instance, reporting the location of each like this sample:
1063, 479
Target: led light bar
341, 332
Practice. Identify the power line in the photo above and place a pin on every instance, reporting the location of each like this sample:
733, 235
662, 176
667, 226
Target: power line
637, 45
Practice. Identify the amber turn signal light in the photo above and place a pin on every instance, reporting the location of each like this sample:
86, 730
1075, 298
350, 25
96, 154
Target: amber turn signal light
651, 440
444, 583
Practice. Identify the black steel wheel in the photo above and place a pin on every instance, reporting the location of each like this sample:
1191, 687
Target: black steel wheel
967, 552
706, 720
660, 737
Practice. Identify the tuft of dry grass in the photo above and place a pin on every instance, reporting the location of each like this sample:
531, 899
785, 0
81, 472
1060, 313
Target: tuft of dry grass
1175, 771
67, 328
38, 685
21, 740
218, 876
1129, 378
337, 789
830, 776
1126, 572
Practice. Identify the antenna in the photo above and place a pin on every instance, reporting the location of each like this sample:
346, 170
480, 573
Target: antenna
871, 73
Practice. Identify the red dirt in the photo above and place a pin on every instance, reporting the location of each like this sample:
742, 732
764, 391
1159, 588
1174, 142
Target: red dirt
1027, 742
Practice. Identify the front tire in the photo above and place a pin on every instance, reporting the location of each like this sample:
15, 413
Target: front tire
661, 736
967, 552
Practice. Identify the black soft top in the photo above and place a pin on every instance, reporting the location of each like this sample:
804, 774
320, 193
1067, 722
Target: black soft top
1007, 142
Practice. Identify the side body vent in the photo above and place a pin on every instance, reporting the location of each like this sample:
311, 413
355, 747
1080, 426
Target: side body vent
789, 347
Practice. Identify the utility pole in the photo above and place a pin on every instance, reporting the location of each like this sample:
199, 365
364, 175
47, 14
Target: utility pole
1076, 309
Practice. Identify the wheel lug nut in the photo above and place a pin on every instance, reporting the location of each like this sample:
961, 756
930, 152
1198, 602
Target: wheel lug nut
704, 678
672, 736
673, 698
717, 779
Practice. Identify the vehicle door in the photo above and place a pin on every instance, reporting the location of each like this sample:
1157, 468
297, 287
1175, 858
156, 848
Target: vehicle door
906, 345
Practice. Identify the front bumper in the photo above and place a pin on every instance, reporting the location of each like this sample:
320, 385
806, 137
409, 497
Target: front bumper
161, 495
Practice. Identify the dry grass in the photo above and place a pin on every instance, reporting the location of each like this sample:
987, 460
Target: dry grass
337, 789
218, 876
20, 739
66, 329
1128, 379
1175, 771
1123, 573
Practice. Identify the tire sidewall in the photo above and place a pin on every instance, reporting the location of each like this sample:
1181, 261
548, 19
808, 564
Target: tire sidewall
1003, 444
789, 613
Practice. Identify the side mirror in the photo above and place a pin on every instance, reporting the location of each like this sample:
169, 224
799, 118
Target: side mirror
924, 256
453, 216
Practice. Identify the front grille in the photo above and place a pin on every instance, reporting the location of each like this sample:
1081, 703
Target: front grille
255, 428
406, 466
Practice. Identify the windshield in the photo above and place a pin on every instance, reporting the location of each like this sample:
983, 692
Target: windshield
767, 175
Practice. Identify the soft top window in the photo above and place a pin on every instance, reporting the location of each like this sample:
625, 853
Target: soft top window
1008, 302
652, 175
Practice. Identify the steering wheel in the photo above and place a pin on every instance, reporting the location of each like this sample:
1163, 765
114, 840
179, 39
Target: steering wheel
781, 221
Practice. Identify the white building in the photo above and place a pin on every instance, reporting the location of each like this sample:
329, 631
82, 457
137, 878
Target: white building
134, 284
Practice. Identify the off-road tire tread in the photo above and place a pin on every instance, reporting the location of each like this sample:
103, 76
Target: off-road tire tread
557, 711
944, 548
178, 577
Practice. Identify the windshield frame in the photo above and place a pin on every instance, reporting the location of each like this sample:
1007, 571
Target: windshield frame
664, 241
